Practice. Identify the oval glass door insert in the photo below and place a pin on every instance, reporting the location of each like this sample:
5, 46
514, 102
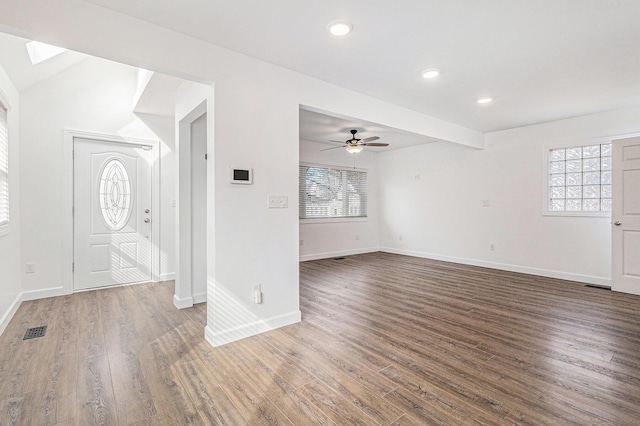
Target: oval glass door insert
115, 194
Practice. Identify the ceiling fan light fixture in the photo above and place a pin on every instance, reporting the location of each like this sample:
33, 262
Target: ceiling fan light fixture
340, 28
430, 73
485, 100
354, 149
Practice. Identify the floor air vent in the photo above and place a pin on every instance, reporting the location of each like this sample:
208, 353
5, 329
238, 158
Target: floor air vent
601, 287
34, 332
339, 258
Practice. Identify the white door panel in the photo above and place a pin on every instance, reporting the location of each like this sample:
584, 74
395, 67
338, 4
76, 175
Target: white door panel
112, 213
626, 216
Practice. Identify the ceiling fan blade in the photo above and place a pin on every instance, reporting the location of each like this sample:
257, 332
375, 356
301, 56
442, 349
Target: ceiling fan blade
342, 142
371, 139
376, 144
333, 147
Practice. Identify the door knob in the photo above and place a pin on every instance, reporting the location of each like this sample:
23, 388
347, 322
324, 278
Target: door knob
617, 223
147, 220
146, 210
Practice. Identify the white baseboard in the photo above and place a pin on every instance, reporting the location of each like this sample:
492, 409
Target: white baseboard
603, 281
185, 302
247, 330
169, 276
43, 293
13, 308
23, 297
188, 302
199, 298
317, 256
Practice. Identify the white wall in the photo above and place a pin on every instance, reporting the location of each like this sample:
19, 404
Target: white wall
193, 102
96, 96
163, 130
441, 215
255, 124
199, 208
10, 263
321, 238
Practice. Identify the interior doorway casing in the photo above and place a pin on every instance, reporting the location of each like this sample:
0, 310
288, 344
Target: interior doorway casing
67, 240
184, 296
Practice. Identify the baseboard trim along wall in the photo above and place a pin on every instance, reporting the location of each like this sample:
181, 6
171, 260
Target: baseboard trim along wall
13, 308
328, 255
247, 330
199, 298
185, 302
603, 281
23, 297
170, 276
188, 302
42, 294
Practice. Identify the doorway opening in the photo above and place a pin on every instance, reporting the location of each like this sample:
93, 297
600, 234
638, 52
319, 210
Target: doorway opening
191, 262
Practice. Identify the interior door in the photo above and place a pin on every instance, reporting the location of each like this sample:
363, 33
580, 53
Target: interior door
112, 213
626, 216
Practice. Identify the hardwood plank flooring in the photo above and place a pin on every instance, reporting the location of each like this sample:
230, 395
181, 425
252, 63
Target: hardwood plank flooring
385, 340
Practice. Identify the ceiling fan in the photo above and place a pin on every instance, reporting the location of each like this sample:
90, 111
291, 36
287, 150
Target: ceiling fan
355, 145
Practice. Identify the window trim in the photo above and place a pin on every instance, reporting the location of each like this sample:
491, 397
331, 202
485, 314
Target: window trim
545, 168
342, 219
4, 103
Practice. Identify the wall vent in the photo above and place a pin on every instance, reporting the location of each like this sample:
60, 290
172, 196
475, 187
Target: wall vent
601, 287
34, 332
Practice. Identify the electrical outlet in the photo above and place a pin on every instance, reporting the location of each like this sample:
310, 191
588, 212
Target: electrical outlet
492, 247
257, 294
357, 237
399, 237
30, 268
301, 243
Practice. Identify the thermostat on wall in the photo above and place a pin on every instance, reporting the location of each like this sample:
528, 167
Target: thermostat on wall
242, 175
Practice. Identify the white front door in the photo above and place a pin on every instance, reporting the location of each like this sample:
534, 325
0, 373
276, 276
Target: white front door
112, 213
626, 216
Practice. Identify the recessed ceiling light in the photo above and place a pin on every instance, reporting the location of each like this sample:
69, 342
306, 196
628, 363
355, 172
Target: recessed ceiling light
340, 28
485, 100
430, 73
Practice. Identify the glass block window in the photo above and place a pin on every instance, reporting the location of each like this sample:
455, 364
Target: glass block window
580, 179
332, 192
4, 168
115, 194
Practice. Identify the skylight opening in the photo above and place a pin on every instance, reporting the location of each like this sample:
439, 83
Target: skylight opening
39, 52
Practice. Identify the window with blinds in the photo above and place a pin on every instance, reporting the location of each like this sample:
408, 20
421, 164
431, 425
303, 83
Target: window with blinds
332, 192
4, 168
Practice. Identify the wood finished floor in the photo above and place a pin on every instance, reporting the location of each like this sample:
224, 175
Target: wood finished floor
385, 339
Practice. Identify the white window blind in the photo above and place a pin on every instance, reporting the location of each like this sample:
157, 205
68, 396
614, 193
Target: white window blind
4, 168
332, 192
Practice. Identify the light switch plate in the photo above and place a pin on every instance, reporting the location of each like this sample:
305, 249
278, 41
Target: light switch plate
278, 201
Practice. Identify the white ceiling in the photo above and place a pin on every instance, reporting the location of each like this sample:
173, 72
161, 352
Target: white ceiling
541, 60
157, 98
15, 61
322, 128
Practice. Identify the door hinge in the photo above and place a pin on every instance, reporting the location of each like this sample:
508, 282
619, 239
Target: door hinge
73, 155
73, 266
205, 157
